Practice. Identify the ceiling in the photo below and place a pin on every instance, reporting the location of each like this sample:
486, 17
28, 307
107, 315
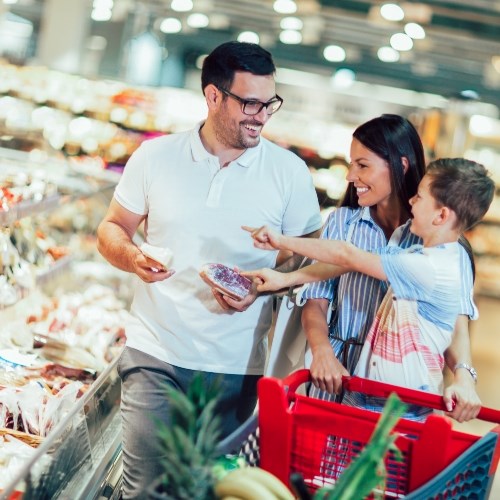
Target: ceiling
462, 38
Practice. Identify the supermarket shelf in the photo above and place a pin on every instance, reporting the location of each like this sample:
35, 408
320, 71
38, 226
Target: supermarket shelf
75, 458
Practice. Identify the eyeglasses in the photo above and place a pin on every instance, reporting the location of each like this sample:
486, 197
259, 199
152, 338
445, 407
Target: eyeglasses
252, 107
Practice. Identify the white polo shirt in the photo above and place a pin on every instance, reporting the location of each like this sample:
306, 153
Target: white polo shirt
197, 209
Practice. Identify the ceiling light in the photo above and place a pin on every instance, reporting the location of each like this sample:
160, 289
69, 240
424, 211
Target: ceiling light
481, 125
334, 53
101, 14
285, 6
388, 54
170, 25
248, 36
290, 37
469, 94
197, 20
199, 61
181, 5
291, 23
401, 42
343, 78
107, 4
495, 61
392, 12
415, 31
11, 2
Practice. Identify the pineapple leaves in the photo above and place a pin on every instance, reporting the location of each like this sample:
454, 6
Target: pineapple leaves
189, 443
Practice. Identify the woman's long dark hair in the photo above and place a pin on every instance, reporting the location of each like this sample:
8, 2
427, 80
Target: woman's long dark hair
392, 137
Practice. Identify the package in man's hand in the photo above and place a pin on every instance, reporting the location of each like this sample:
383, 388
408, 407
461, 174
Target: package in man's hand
159, 254
226, 280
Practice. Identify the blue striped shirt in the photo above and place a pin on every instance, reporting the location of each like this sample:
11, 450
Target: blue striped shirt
358, 296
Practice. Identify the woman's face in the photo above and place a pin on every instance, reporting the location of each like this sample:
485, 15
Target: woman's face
370, 175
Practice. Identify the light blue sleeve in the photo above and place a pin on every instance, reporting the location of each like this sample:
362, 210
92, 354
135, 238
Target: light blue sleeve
411, 274
467, 304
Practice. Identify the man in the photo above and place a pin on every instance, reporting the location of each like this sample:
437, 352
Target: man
194, 190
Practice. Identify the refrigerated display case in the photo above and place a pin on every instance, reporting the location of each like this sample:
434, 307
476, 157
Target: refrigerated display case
80, 455
80, 458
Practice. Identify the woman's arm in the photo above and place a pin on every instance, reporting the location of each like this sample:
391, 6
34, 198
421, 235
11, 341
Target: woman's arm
326, 370
271, 280
463, 387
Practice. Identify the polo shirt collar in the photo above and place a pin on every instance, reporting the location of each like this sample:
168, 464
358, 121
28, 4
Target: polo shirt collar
200, 153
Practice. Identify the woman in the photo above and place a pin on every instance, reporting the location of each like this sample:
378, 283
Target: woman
387, 163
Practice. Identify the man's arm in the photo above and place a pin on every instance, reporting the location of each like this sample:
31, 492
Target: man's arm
114, 242
463, 387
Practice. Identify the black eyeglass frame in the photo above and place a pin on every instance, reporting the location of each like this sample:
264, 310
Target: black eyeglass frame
245, 102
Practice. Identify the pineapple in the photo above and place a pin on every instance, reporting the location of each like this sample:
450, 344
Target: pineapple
190, 441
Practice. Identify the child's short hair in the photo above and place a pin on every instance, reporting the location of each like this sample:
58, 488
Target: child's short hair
462, 185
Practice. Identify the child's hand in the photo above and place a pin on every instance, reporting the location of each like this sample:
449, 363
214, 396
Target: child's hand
264, 237
267, 280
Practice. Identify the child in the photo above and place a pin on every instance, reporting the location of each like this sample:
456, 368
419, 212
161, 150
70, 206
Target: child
414, 324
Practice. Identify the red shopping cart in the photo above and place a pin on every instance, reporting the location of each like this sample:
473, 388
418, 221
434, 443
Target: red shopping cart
318, 439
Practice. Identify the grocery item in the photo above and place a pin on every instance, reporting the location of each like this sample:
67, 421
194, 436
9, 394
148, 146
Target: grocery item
161, 255
226, 280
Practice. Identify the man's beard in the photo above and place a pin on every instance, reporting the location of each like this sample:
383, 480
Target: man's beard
231, 135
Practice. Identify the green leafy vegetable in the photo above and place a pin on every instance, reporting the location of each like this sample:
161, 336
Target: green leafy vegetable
367, 471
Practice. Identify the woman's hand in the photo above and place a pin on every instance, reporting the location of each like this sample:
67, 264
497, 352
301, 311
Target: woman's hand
326, 370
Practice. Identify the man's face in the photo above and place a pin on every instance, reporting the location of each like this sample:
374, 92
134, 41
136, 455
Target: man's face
232, 127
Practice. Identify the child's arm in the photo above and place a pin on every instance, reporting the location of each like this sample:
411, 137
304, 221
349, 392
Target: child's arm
270, 280
462, 388
339, 253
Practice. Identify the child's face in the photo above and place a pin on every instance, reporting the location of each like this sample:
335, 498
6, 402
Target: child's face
424, 208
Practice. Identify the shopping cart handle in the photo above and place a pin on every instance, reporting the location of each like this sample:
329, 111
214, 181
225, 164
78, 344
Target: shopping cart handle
421, 398
381, 389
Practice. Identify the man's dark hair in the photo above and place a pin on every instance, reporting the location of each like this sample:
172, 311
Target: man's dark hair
392, 137
225, 60
462, 185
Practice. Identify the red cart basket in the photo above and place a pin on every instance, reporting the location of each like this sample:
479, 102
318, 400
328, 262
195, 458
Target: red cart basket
318, 439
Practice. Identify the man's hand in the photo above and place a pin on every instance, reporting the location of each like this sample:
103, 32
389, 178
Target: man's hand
150, 270
264, 237
463, 392
227, 303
